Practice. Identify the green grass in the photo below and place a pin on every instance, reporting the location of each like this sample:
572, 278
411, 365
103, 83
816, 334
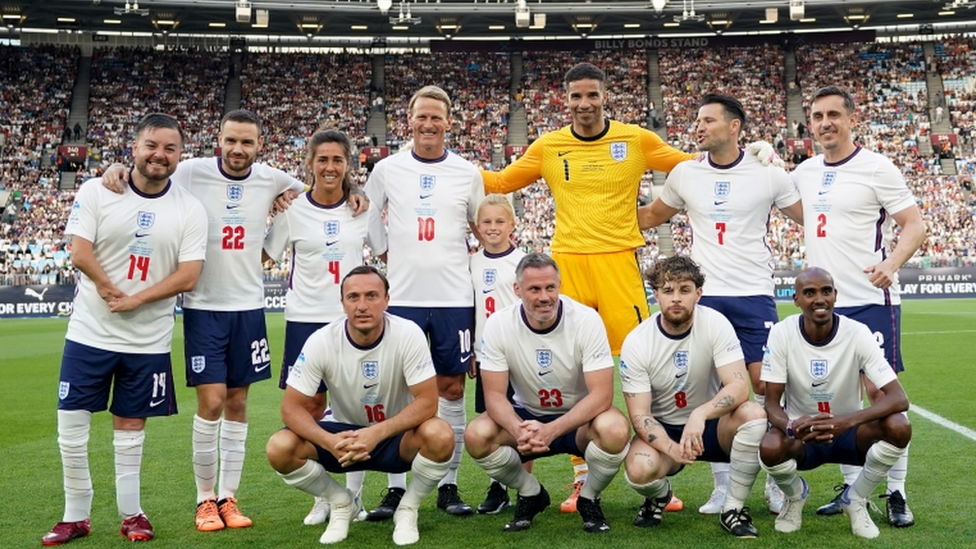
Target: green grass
939, 377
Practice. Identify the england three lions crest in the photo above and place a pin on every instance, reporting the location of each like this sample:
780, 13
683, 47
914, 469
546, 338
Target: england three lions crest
618, 150
543, 357
371, 369
331, 229
818, 368
145, 220
680, 360
828, 179
722, 189
427, 182
235, 192
489, 276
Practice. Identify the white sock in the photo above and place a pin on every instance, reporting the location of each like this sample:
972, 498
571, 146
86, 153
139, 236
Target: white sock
73, 430
354, 481
313, 479
396, 480
879, 459
786, 478
232, 437
744, 464
128, 462
850, 473
452, 411
897, 474
652, 490
603, 466
505, 466
720, 475
205, 456
426, 474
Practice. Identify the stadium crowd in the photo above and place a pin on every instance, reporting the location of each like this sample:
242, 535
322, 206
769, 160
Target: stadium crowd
887, 80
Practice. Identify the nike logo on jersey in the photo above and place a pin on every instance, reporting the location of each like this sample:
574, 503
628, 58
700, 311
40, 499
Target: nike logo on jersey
487, 290
369, 386
141, 235
821, 193
332, 243
547, 372
679, 376
233, 206
817, 384
153, 404
426, 196
261, 368
720, 202
465, 358
563, 153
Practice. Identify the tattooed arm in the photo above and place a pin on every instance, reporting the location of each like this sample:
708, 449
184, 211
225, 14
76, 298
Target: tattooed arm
734, 392
646, 427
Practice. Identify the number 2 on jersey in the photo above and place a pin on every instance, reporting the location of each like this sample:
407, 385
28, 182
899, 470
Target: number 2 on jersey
551, 398
233, 237
822, 226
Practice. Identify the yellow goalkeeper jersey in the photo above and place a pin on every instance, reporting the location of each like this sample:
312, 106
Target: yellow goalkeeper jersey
594, 182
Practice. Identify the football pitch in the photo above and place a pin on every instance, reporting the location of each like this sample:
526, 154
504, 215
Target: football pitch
940, 378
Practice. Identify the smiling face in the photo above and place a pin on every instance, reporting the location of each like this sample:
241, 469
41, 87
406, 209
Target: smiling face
815, 295
429, 121
586, 98
329, 165
156, 153
496, 226
831, 125
539, 291
240, 143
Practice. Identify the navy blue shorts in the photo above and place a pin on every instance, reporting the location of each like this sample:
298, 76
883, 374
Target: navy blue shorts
842, 450
751, 316
141, 384
296, 334
449, 330
884, 321
713, 450
228, 347
384, 458
565, 444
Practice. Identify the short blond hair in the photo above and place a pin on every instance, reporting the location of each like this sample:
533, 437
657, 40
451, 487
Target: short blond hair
497, 200
431, 92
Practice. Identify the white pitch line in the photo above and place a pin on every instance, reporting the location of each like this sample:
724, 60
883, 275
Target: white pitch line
951, 425
940, 332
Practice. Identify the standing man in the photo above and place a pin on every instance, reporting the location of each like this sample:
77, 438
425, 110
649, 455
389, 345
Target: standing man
225, 337
728, 195
431, 196
366, 356
816, 360
593, 168
555, 354
135, 251
850, 198
687, 393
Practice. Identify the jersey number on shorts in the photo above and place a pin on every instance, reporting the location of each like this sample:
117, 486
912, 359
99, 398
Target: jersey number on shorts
425, 229
823, 407
822, 226
550, 398
233, 237
720, 227
159, 385
259, 351
680, 399
138, 263
374, 414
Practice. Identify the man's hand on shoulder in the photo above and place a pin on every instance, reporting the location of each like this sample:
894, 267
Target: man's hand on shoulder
765, 153
115, 178
283, 202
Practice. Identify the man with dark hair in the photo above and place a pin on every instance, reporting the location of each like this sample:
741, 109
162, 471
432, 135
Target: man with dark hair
685, 385
852, 198
728, 196
554, 353
136, 252
816, 360
383, 394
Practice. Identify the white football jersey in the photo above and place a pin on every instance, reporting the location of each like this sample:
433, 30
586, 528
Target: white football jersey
138, 240
680, 372
326, 243
493, 277
728, 207
823, 377
546, 368
847, 209
429, 204
365, 385
237, 216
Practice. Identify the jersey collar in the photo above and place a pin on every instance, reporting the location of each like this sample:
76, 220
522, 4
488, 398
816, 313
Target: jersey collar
669, 336
841, 162
160, 194
345, 328
550, 329
220, 168
825, 342
511, 248
597, 137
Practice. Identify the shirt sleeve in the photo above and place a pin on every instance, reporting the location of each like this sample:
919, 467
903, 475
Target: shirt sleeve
309, 367
726, 348
376, 193
418, 366
493, 345
285, 182
521, 173
193, 246
670, 194
658, 155
871, 360
592, 342
83, 220
634, 374
775, 358
277, 238
784, 189
892, 191
477, 195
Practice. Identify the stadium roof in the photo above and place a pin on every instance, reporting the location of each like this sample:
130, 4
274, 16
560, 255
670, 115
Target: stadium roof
478, 19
